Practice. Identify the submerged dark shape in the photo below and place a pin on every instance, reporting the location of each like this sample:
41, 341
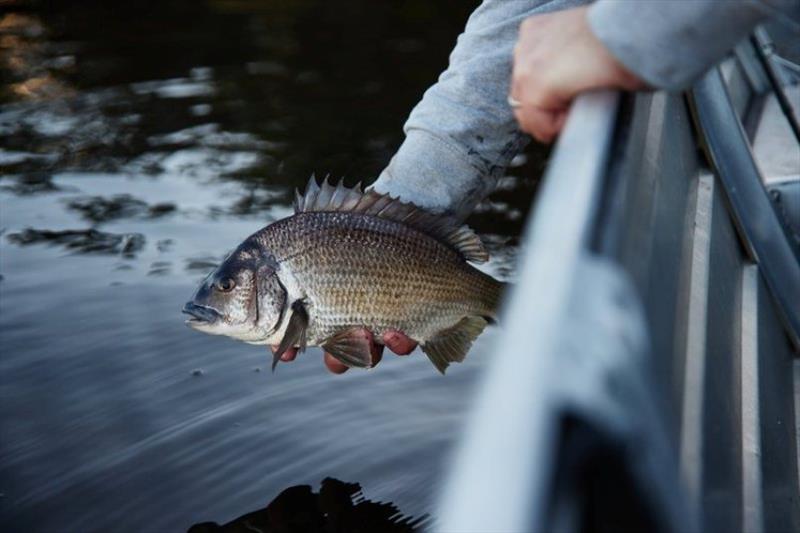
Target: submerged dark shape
349, 261
83, 241
31, 183
100, 209
339, 507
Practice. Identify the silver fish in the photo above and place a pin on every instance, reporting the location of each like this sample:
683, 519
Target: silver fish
348, 260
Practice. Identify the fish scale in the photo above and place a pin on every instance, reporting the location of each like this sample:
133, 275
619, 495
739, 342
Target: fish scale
359, 270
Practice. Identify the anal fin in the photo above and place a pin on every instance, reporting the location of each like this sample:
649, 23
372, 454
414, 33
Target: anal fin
351, 346
452, 344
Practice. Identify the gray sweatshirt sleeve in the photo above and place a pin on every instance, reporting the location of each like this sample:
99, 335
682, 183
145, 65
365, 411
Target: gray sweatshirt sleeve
669, 44
462, 135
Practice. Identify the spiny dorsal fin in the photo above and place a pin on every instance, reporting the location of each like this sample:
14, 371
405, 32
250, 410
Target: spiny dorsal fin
327, 197
452, 344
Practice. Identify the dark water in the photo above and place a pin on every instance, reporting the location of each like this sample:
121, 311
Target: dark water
139, 145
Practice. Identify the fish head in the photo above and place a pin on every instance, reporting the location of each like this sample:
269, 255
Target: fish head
243, 298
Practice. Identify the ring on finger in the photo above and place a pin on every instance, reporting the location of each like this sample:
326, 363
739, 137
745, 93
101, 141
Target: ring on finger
513, 102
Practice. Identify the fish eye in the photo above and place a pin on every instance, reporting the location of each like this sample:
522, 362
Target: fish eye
226, 285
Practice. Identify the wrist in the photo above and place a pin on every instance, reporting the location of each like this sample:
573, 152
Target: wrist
612, 72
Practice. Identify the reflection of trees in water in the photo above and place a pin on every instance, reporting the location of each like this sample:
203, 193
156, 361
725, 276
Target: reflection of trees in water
100, 209
339, 507
300, 73
88, 241
294, 80
295, 86
25, 61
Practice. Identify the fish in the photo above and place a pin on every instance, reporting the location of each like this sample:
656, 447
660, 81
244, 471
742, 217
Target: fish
345, 261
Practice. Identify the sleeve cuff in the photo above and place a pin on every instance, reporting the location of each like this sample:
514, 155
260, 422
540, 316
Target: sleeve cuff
434, 174
670, 44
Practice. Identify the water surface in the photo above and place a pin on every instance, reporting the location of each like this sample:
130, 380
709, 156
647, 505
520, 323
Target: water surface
138, 145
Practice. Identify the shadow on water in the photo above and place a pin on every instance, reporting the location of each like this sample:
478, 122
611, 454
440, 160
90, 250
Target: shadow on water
85, 241
139, 143
338, 507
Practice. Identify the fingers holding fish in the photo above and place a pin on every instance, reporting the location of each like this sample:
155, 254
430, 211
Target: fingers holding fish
330, 361
333, 364
289, 355
398, 342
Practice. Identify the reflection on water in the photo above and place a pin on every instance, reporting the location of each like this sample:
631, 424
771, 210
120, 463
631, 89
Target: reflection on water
339, 507
139, 143
85, 241
99, 209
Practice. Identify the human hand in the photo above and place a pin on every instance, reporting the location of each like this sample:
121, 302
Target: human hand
397, 342
557, 57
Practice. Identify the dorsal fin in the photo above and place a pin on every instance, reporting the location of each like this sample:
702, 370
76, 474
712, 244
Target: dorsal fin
448, 230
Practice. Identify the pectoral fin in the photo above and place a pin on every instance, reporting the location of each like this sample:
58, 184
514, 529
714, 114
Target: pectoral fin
452, 344
351, 346
295, 332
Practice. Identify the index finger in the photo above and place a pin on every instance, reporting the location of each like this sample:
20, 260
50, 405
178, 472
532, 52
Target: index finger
542, 124
333, 364
289, 355
398, 342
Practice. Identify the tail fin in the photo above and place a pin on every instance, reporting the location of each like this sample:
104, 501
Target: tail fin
492, 299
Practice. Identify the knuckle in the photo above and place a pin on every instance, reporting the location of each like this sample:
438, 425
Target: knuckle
523, 79
535, 93
528, 24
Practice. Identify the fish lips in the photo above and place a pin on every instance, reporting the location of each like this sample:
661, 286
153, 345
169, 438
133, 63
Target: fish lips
201, 315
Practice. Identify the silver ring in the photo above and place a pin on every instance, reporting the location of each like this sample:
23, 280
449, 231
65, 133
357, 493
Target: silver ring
513, 102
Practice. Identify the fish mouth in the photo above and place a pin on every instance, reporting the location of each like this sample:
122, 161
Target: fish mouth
200, 314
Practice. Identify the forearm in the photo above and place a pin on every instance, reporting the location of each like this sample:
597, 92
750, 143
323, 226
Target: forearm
670, 44
462, 135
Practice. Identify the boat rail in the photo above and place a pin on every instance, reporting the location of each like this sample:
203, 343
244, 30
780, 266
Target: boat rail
647, 377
